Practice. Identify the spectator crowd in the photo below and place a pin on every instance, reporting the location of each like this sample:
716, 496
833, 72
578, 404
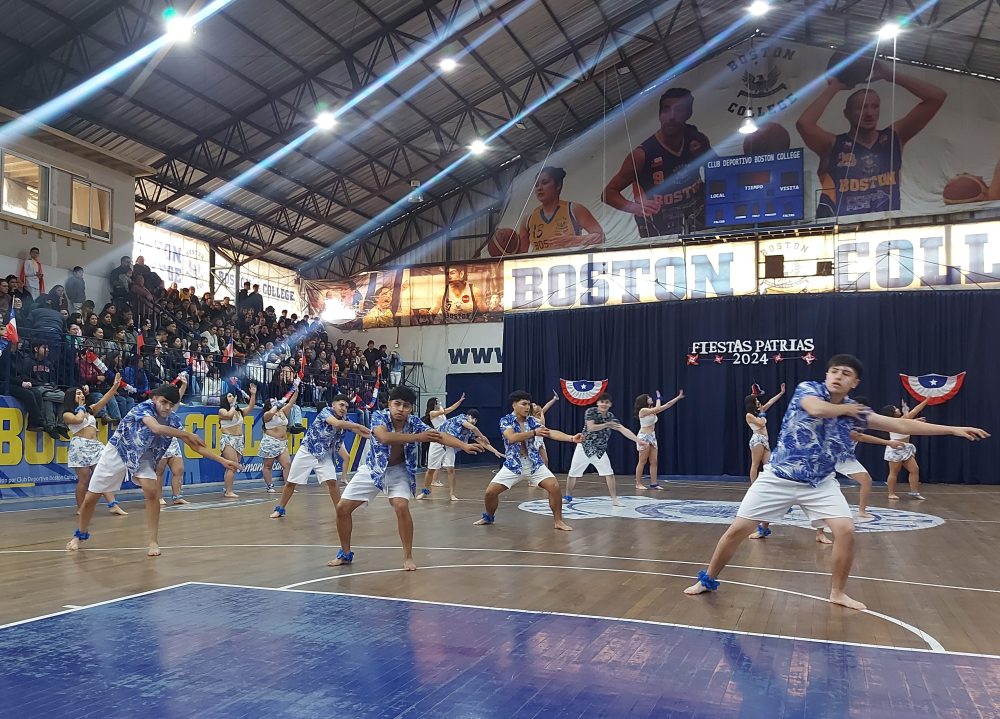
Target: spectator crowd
150, 332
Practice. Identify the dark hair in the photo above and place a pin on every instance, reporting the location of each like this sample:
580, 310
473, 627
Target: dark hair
403, 393
431, 405
340, 398
224, 401
518, 395
673, 93
473, 413
77, 268
641, 402
889, 410
556, 173
847, 361
751, 403
168, 392
603, 397
69, 400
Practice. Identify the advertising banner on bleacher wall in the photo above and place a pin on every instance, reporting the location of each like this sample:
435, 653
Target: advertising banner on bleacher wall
32, 464
871, 139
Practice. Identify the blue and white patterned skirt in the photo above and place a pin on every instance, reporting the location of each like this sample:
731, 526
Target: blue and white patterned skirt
84, 452
900, 455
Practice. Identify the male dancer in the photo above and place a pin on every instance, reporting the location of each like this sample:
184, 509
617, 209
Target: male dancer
519, 430
324, 436
390, 466
598, 423
815, 435
134, 450
173, 459
462, 427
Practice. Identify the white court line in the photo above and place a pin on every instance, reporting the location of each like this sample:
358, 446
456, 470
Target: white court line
933, 643
73, 606
513, 551
90, 606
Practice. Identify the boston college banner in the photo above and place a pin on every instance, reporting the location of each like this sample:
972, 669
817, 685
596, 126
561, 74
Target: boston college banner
863, 142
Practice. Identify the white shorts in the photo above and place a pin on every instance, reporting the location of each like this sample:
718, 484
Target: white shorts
759, 440
539, 442
581, 461
303, 463
850, 466
440, 456
110, 472
508, 479
362, 487
271, 447
900, 455
174, 450
235, 441
770, 497
644, 440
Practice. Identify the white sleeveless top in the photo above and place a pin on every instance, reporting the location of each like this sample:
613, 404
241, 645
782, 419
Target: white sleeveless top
436, 422
278, 420
88, 422
236, 421
893, 435
647, 421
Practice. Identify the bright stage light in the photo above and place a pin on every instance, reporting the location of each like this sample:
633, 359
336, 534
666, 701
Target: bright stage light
758, 7
888, 31
177, 27
478, 147
748, 127
326, 120
447, 64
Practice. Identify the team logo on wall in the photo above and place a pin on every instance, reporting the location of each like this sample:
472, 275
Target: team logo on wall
757, 77
935, 388
582, 391
696, 511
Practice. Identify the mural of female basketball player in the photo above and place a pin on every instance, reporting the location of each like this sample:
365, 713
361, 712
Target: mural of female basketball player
859, 170
557, 224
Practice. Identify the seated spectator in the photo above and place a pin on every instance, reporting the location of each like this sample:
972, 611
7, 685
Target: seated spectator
5, 300
157, 370
38, 376
135, 376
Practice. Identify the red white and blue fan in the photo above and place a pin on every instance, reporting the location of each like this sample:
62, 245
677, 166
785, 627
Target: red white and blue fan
935, 388
582, 391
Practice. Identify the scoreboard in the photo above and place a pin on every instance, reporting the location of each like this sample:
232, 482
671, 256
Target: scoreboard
754, 189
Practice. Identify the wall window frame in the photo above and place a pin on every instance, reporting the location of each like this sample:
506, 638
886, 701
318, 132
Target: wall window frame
93, 191
44, 199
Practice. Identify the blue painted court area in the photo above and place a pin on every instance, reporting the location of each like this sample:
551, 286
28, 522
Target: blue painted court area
216, 651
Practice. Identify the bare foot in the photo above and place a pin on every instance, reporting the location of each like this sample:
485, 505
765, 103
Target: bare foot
480, 523
73, 544
641, 486
616, 502
696, 588
78, 512
336, 562
437, 483
154, 550
409, 565
865, 517
119, 511
893, 496
230, 495
845, 601
163, 502
454, 498
564, 527
422, 496
823, 539
181, 500
277, 515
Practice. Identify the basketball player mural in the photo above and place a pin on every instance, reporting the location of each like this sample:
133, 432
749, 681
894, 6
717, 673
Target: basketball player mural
664, 173
859, 170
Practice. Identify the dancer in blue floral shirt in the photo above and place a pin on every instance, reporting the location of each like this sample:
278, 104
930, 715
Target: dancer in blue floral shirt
133, 451
463, 427
523, 461
816, 434
390, 466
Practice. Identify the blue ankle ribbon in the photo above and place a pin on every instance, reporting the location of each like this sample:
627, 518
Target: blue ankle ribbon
82, 536
707, 582
488, 518
281, 511
348, 557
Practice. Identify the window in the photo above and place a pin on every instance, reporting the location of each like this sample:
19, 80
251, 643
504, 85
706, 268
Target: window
90, 212
25, 187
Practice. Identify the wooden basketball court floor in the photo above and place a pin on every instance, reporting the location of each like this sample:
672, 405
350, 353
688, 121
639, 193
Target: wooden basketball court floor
593, 622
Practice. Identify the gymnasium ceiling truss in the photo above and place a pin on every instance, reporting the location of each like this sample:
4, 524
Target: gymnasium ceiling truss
251, 80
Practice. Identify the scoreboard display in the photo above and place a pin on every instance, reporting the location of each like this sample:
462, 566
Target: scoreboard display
754, 189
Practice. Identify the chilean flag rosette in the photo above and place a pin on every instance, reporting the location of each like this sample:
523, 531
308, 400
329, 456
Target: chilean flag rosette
935, 388
228, 351
582, 391
8, 336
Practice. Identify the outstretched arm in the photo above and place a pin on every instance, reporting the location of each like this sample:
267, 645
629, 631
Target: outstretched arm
458, 403
774, 399
548, 405
667, 405
626, 432
450, 440
562, 436
912, 426
99, 404
869, 439
915, 412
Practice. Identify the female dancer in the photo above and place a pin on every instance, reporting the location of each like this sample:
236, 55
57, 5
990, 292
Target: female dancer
174, 459
905, 457
84, 447
232, 427
439, 455
760, 446
274, 443
538, 412
646, 412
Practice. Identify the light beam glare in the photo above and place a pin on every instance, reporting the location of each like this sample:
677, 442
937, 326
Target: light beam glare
58, 106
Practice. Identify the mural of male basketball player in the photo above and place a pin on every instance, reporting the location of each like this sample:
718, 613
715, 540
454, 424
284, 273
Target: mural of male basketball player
664, 173
863, 176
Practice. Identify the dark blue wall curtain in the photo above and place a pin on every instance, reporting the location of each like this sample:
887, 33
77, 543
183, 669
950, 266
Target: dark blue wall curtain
482, 392
640, 348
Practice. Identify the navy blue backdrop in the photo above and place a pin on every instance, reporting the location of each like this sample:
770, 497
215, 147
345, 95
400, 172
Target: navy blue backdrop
482, 392
643, 347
